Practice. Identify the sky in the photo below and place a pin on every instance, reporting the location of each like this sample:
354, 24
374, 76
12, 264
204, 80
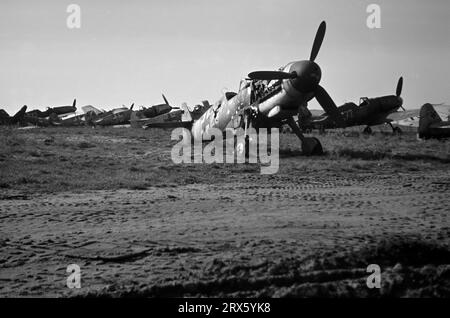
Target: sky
191, 50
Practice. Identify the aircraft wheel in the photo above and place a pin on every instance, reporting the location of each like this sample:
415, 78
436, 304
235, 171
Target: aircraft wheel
311, 146
367, 130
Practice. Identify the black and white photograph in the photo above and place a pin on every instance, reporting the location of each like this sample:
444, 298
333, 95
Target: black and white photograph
241, 150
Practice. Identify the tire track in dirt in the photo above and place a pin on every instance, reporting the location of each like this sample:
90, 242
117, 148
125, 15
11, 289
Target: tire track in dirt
185, 229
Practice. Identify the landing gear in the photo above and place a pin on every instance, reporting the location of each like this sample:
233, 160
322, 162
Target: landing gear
242, 145
310, 145
367, 130
395, 130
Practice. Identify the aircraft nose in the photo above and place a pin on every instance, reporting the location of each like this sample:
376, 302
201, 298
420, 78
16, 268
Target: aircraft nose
308, 76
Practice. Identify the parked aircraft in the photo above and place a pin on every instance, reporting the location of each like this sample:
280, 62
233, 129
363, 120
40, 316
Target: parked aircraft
58, 110
171, 119
369, 112
120, 116
270, 99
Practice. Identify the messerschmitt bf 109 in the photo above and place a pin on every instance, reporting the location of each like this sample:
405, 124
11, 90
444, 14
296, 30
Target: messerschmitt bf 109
145, 115
120, 116
270, 99
58, 110
174, 118
369, 112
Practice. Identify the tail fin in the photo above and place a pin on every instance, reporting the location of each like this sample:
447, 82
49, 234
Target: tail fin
428, 116
19, 115
186, 113
4, 115
206, 104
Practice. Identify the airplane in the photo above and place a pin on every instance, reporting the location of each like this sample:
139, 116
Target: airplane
156, 110
269, 99
5, 119
431, 125
140, 117
172, 119
369, 112
58, 110
119, 116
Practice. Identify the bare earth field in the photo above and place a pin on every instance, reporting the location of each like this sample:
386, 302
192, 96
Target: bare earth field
138, 225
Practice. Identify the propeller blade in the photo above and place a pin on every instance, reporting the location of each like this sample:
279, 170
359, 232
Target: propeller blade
318, 41
399, 86
132, 105
329, 106
165, 99
271, 75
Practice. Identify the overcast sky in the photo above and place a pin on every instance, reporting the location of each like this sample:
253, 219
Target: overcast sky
132, 51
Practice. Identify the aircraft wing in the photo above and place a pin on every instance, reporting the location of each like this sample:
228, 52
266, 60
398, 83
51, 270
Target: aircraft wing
441, 125
402, 115
316, 112
172, 119
90, 108
180, 124
67, 115
119, 110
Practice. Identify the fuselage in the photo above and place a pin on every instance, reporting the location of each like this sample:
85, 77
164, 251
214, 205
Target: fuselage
154, 111
370, 112
114, 118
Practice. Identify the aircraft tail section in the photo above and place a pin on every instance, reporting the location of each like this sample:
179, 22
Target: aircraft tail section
428, 116
4, 117
19, 115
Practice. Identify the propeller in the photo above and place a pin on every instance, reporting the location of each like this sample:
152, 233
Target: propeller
131, 107
398, 91
320, 34
165, 99
271, 75
328, 105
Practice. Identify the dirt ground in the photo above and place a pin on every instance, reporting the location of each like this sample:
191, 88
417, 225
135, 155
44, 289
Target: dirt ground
113, 202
